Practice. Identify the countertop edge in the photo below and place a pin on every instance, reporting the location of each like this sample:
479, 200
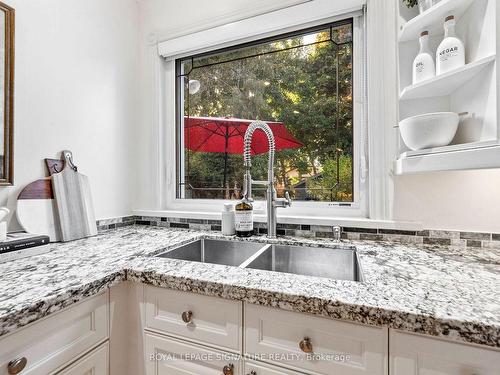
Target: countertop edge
460, 331
454, 330
45, 308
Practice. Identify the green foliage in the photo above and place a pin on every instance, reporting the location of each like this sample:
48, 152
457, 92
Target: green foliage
297, 86
328, 187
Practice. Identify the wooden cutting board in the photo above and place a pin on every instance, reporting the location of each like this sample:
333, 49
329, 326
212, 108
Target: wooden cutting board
74, 202
36, 210
54, 165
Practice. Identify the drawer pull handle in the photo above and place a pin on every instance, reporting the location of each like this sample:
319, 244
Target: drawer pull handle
305, 345
252, 373
187, 317
228, 369
16, 365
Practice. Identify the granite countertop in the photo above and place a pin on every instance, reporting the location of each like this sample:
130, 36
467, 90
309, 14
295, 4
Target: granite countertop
440, 291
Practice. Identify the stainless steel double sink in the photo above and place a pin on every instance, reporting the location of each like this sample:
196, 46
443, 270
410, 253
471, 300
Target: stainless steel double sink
339, 263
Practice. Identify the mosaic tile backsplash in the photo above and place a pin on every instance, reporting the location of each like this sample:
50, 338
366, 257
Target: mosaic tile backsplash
426, 237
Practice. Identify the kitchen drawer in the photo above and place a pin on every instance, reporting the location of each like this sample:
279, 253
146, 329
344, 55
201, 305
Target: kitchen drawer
420, 355
59, 339
214, 321
275, 336
94, 363
168, 356
256, 368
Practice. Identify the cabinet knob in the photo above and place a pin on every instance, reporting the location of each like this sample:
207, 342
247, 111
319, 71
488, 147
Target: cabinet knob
305, 345
16, 365
252, 373
187, 317
228, 369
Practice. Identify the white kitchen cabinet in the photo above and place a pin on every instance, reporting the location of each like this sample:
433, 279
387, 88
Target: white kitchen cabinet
257, 368
54, 342
167, 356
421, 355
270, 341
94, 363
313, 344
208, 320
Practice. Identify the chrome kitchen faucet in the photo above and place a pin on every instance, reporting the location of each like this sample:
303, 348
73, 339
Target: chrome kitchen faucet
273, 202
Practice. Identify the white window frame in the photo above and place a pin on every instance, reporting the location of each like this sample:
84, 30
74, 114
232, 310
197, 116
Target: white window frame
375, 187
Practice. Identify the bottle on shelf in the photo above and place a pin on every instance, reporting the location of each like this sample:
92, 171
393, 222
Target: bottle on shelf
423, 5
451, 52
423, 65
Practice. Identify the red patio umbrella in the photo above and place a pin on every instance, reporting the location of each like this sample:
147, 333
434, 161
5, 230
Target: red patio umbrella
226, 135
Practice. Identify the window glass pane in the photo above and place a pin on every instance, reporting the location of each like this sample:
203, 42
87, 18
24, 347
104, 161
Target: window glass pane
262, 48
301, 85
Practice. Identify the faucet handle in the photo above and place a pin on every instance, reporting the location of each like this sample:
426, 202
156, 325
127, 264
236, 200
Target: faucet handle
288, 199
283, 202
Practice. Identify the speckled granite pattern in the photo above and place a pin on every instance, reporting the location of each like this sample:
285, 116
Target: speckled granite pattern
440, 291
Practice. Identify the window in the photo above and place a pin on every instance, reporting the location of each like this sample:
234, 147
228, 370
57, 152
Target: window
301, 84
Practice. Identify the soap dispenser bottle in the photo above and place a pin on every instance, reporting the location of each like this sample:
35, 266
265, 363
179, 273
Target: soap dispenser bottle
423, 65
451, 52
228, 220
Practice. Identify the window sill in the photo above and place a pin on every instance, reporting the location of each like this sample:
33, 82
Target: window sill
285, 219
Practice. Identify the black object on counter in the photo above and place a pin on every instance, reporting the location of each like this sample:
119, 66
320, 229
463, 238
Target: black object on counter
22, 240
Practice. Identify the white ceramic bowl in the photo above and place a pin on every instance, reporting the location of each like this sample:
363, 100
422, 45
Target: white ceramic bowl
429, 130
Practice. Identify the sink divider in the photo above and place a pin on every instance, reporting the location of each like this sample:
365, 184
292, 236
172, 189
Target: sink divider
255, 256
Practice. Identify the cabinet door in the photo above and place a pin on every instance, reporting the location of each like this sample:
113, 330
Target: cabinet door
50, 344
313, 344
420, 355
211, 320
256, 368
165, 356
94, 363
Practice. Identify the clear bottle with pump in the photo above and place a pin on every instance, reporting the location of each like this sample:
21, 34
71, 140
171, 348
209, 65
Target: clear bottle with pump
451, 52
423, 65
228, 220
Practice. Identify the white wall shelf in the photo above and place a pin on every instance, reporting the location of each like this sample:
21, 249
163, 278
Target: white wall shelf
433, 19
446, 83
471, 88
450, 148
468, 158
